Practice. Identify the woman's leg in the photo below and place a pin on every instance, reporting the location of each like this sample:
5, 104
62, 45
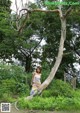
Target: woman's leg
33, 91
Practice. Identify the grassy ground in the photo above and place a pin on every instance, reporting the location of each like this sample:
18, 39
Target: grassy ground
13, 110
59, 112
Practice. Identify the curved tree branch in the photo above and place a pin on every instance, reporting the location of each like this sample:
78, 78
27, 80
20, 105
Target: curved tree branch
59, 57
30, 11
68, 11
40, 10
24, 23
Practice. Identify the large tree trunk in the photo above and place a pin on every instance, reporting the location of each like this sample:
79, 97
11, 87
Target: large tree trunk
59, 57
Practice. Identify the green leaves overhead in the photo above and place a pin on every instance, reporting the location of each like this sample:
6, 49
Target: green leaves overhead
6, 32
40, 25
5, 5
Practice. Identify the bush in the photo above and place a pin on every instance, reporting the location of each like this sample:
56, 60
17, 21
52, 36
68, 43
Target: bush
58, 96
76, 93
22, 89
58, 88
7, 86
13, 81
51, 103
45, 74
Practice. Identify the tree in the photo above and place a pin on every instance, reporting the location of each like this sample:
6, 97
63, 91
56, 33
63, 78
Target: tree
12, 43
5, 30
61, 46
70, 55
27, 46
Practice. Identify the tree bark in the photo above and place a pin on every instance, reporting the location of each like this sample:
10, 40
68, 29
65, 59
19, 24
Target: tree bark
65, 77
73, 82
59, 57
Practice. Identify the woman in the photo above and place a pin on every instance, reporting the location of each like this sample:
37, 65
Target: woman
36, 82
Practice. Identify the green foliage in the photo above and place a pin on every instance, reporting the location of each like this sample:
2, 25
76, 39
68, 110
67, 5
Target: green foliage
29, 78
5, 5
45, 72
13, 81
58, 87
50, 103
7, 37
8, 86
76, 93
58, 96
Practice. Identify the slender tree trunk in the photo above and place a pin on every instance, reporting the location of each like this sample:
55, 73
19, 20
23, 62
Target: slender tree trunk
65, 77
59, 57
28, 64
73, 82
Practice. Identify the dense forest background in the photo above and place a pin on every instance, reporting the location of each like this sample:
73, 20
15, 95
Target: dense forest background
22, 50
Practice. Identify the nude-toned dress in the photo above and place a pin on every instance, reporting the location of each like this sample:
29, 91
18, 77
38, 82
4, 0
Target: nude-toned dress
35, 83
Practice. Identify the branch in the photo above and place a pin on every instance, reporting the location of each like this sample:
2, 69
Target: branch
16, 6
68, 11
68, 72
24, 23
22, 3
67, 53
23, 10
40, 10
17, 16
36, 46
24, 51
23, 15
72, 49
46, 11
30, 11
